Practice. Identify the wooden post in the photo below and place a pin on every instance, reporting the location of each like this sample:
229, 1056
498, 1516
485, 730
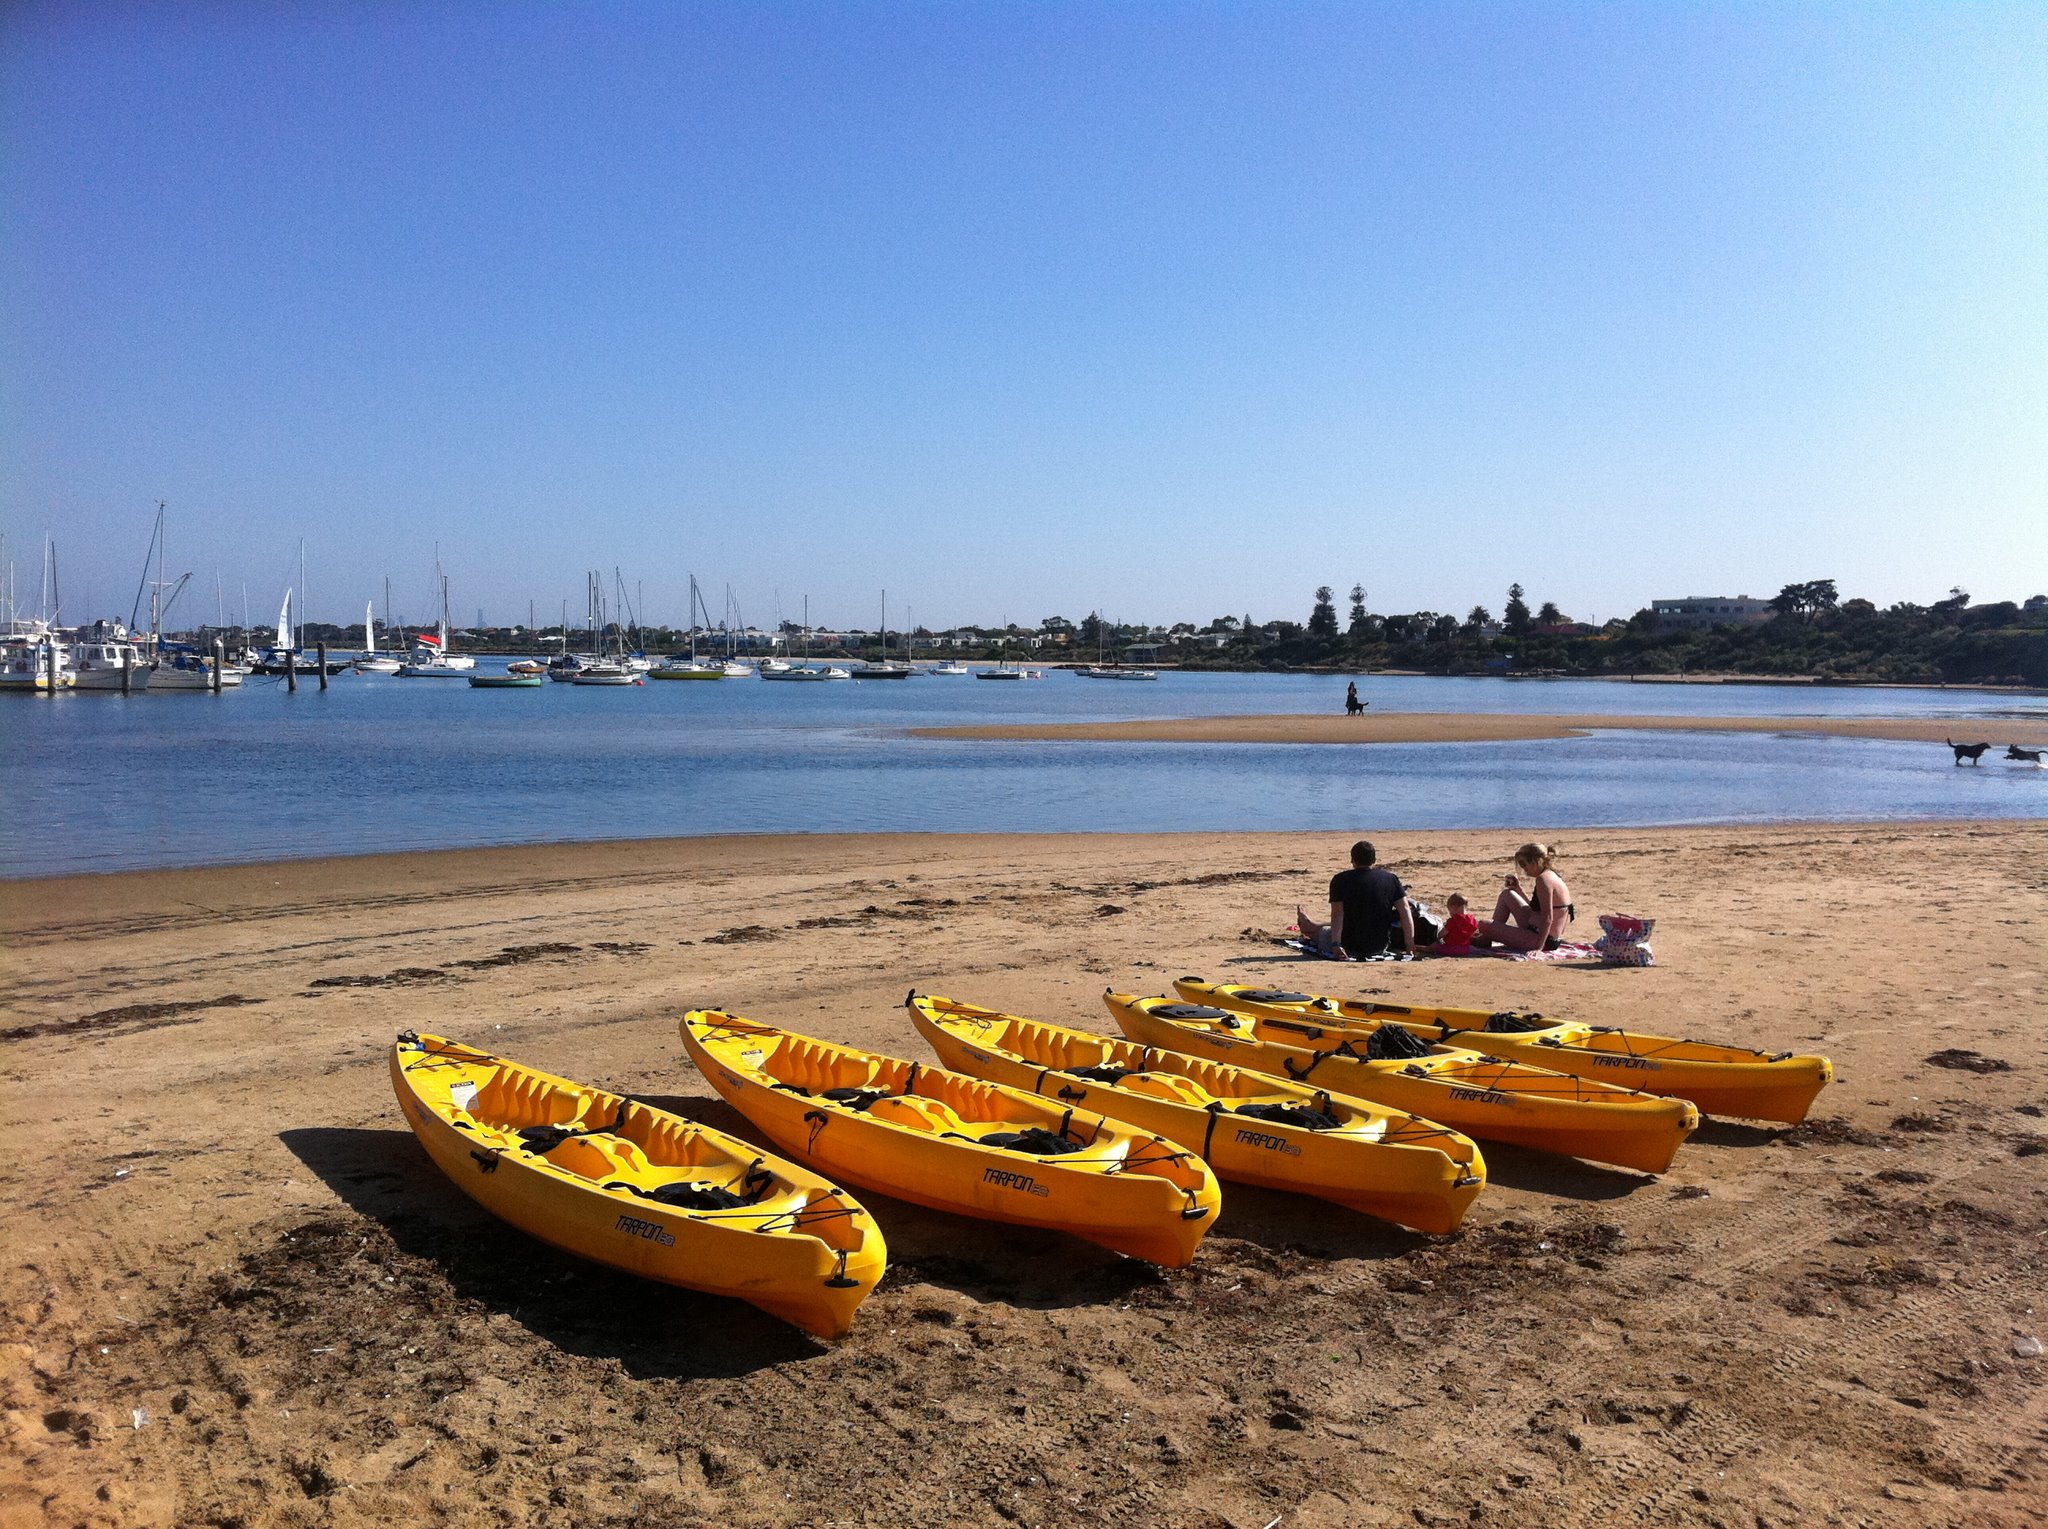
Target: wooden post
291, 671
127, 669
320, 651
220, 662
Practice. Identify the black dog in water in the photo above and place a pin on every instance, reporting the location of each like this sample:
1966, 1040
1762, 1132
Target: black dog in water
2014, 751
1974, 752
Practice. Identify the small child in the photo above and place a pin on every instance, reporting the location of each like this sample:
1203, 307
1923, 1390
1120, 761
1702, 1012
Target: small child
1459, 927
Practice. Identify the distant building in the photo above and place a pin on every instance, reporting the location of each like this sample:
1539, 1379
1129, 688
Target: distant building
1694, 613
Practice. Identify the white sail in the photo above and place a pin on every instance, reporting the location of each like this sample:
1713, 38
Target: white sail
369, 628
284, 622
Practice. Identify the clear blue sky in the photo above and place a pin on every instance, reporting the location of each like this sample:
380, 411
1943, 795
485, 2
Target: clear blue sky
1170, 310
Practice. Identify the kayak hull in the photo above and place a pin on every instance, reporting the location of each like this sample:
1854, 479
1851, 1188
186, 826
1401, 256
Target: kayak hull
802, 1250
1720, 1079
920, 1140
1383, 1163
1492, 1098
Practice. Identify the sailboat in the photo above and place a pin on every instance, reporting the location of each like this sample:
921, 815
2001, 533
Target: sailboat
284, 653
373, 662
1003, 670
805, 671
883, 669
680, 668
1102, 671
432, 659
602, 669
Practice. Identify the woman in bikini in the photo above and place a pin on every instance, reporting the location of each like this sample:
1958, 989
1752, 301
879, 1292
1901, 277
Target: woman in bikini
1535, 919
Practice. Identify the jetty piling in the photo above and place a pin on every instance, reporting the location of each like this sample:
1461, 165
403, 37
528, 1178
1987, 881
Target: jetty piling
291, 671
320, 651
220, 662
127, 670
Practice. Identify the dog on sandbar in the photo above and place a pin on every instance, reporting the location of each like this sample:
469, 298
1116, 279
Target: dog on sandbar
2030, 756
1974, 752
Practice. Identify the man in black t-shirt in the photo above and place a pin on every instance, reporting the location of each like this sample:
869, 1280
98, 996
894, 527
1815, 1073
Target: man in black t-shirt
1369, 912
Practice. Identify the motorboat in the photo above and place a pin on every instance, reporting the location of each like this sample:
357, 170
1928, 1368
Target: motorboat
1115, 672
952, 669
33, 661
111, 664
526, 666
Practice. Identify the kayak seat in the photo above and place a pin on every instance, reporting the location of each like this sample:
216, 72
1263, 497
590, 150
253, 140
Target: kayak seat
917, 1113
1273, 995
1185, 1011
1036, 1140
1166, 1086
1290, 1115
1515, 1024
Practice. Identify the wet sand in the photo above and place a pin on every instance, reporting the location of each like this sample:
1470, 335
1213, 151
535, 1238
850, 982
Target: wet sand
218, 1225
1489, 727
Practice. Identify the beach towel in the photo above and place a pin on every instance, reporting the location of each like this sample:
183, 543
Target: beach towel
1565, 955
1296, 943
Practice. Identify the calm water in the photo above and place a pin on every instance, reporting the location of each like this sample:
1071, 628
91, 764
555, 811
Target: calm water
104, 782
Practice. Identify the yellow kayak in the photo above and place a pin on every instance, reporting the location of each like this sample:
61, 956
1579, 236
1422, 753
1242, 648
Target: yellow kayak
1249, 1128
956, 1143
1721, 1080
1493, 1098
627, 1185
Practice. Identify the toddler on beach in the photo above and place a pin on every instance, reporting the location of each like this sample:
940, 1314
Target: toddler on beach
1459, 926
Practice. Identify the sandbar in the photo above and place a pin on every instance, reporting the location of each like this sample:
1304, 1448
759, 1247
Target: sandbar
1487, 727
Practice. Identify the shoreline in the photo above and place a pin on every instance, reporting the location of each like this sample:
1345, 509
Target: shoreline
212, 888
1479, 727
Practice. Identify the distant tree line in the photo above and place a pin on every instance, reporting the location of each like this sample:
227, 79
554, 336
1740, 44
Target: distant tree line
1813, 633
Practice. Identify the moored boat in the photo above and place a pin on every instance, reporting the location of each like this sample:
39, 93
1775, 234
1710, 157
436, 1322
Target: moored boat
636, 1188
506, 681
955, 1143
109, 664
1248, 1127
1492, 1098
1721, 1079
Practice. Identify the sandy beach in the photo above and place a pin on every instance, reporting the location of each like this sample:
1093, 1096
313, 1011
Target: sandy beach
237, 1292
1489, 727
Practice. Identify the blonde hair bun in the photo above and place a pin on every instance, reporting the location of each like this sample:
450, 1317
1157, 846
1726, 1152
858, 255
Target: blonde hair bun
1535, 857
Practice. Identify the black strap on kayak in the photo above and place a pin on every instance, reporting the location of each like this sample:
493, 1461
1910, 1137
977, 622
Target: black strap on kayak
1290, 1115
1106, 1072
1212, 1110
1295, 1027
1391, 1043
816, 1119
1509, 1023
839, 1281
1036, 1140
689, 1195
541, 1140
858, 1099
